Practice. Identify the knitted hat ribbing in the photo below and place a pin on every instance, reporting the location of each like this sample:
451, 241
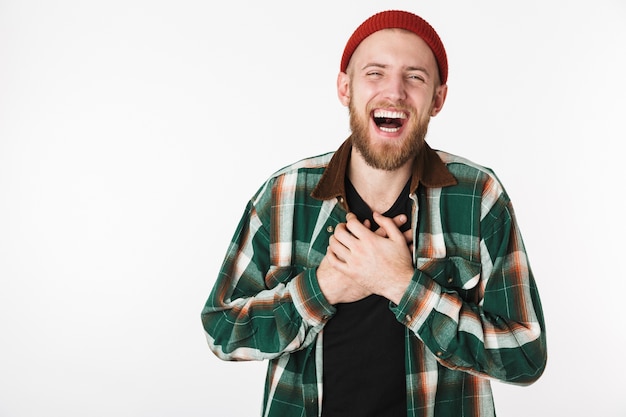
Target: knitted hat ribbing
401, 20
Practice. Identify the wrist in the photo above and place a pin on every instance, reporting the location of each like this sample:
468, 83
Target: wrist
395, 289
308, 298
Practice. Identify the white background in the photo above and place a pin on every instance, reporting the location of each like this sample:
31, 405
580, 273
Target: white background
133, 132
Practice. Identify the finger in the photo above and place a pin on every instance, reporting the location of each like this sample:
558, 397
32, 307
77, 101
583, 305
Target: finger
355, 227
336, 250
408, 236
333, 260
343, 235
380, 232
390, 227
399, 220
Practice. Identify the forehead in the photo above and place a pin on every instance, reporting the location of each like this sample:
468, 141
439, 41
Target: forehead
394, 46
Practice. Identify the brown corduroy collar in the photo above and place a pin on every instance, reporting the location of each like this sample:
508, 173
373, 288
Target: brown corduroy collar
428, 169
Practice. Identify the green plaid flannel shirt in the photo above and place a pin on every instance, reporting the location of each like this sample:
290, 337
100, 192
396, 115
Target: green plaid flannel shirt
472, 311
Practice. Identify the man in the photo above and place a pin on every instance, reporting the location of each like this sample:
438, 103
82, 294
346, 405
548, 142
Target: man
386, 278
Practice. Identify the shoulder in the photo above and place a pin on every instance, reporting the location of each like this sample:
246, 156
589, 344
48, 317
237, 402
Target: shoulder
463, 167
297, 177
474, 179
307, 165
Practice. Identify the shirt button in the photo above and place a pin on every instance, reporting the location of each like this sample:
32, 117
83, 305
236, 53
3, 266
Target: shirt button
439, 353
408, 317
450, 280
330, 229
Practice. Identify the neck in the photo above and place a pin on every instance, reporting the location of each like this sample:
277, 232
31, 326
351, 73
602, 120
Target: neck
378, 188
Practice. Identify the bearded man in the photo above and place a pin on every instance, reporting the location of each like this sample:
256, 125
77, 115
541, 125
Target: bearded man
385, 278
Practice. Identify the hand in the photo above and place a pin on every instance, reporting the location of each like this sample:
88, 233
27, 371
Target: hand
399, 220
337, 287
380, 262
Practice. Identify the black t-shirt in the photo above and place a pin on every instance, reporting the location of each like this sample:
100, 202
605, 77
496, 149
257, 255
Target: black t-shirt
364, 371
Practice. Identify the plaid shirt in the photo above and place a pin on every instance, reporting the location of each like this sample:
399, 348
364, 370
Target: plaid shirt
472, 311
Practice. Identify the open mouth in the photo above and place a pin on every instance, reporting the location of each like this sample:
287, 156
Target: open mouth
389, 121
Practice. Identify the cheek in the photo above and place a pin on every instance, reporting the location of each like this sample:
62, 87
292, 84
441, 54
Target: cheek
362, 93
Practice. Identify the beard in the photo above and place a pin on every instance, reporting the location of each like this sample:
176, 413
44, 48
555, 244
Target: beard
390, 156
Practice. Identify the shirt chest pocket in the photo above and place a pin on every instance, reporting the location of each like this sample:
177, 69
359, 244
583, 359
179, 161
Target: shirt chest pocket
454, 274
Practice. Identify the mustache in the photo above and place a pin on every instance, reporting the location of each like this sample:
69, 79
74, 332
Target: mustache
392, 105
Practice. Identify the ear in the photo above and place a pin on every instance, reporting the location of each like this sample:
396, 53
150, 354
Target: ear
343, 88
438, 99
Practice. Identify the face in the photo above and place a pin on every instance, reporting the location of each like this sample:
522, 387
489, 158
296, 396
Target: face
391, 89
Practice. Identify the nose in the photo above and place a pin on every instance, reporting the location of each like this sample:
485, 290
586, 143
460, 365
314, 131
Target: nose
395, 88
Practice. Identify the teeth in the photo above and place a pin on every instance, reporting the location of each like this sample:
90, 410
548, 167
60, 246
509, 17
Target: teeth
389, 129
387, 114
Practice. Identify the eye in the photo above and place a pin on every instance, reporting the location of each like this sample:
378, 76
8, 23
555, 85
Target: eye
416, 77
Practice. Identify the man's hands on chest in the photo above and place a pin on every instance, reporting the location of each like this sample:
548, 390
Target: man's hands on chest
360, 262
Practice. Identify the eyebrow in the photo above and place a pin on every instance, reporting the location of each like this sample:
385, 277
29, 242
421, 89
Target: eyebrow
421, 69
409, 68
374, 64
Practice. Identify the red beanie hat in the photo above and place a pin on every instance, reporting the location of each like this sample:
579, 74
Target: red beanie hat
401, 20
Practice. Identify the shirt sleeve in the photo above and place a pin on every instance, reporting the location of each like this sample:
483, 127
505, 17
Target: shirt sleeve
497, 328
257, 310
